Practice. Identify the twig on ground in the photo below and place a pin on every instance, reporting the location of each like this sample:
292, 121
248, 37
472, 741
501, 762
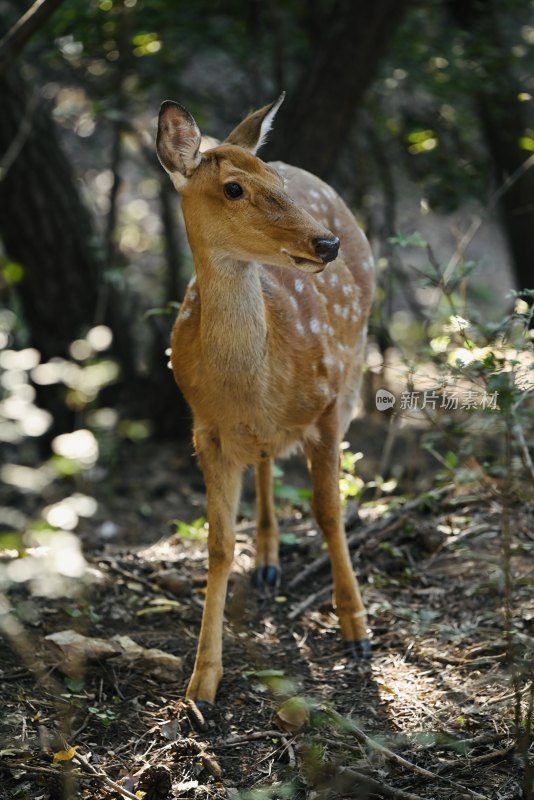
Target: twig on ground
350, 726
74, 735
347, 780
234, 741
309, 601
503, 698
381, 528
484, 758
321, 562
21, 766
101, 776
153, 586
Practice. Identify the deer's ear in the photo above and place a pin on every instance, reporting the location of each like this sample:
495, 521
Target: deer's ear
178, 142
250, 134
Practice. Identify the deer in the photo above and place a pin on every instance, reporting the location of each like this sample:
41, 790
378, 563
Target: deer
267, 349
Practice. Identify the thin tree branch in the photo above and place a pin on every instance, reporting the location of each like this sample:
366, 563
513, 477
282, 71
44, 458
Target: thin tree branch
15, 148
22, 31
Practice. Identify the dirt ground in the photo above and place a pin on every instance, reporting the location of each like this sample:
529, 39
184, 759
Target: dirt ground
434, 714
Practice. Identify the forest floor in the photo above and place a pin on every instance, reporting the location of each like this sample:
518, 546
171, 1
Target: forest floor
433, 714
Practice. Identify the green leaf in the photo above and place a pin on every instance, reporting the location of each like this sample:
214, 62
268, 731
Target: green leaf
414, 239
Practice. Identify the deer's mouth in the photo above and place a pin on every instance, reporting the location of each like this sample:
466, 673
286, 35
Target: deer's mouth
303, 263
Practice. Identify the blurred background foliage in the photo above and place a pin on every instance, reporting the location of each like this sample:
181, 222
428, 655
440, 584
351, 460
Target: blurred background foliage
420, 113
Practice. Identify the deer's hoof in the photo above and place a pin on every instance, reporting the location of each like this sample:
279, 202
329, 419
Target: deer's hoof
358, 651
203, 706
266, 577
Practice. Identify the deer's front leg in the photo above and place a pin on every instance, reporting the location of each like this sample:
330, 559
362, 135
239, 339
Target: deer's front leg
223, 484
267, 571
324, 467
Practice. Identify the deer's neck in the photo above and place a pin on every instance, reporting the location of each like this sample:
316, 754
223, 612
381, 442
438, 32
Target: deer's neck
233, 326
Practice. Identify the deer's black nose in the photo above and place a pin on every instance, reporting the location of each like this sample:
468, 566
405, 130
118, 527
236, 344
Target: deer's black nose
326, 249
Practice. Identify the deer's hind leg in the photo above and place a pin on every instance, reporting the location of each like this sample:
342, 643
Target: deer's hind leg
323, 462
267, 570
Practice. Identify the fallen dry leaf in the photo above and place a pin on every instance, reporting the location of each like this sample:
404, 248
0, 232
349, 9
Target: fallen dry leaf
76, 649
293, 715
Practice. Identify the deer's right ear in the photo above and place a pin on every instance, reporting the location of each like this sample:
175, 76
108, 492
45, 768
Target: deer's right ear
178, 142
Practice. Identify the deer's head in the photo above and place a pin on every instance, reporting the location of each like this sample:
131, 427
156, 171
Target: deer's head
234, 204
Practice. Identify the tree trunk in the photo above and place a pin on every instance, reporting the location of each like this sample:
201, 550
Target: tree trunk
44, 225
312, 128
504, 120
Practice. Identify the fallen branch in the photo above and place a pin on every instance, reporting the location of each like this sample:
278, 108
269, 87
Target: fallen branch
381, 529
151, 585
21, 766
485, 758
234, 741
346, 780
350, 726
321, 562
101, 776
309, 601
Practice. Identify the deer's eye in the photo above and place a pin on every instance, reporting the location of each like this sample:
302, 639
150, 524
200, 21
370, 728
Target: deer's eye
233, 190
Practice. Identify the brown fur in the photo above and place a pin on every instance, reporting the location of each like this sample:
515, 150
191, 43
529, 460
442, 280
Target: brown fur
267, 349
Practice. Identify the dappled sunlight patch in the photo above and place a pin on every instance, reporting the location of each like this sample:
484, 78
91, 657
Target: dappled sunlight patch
28, 479
405, 685
66, 513
18, 413
52, 565
80, 446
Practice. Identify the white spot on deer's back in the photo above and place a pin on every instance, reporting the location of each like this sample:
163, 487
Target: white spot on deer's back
313, 193
356, 311
314, 207
315, 325
193, 296
293, 301
193, 280
333, 279
319, 278
347, 289
337, 309
300, 327
185, 313
299, 285
368, 264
